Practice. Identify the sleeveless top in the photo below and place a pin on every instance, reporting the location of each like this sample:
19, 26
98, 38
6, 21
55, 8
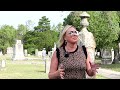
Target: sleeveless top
74, 64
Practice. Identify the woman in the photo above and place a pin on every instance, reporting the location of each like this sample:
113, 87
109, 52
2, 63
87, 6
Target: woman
72, 63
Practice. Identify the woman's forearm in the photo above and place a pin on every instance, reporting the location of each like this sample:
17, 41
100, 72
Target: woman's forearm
53, 75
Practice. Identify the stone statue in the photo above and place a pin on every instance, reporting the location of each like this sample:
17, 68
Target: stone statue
86, 38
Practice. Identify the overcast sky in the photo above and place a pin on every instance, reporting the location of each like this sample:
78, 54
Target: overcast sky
20, 17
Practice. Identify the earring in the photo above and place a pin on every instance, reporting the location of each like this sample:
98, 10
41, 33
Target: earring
65, 42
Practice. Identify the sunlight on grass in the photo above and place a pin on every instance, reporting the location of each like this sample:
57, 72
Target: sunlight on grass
29, 69
100, 77
35, 69
114, 67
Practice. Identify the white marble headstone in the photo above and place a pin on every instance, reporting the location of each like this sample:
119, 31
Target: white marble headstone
18, 53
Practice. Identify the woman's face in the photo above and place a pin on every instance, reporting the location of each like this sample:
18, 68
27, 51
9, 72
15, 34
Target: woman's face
71, 35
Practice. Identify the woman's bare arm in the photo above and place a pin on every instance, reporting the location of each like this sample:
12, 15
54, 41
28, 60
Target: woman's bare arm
53, 67
55, 72
91, 68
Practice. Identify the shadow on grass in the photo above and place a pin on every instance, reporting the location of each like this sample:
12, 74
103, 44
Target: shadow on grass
41, 71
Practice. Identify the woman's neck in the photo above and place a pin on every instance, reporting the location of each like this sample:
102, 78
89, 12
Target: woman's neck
70, 47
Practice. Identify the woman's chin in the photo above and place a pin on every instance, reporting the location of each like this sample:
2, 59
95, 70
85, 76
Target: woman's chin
74, 42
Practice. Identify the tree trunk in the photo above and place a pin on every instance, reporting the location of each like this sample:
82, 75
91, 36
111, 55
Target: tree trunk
116, 58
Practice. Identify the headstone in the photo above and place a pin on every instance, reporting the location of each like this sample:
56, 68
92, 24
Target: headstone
25, 52
112, 51
98, 54
43, 54
36, 52
10, 51
44, 58
106, 57
1, 53
39, 53
3, 63
18, 53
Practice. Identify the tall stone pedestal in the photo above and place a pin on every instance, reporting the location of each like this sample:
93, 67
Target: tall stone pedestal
86, 38
18, 53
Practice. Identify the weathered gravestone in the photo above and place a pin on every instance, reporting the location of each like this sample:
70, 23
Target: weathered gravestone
25, 53
106, 57
3, 63
18, 53
10, 51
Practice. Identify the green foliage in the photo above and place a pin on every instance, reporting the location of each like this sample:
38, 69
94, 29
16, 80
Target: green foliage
59, 27
105, 27
7, 37
39, 40
43, 24
21, 31
73, 19
103, 24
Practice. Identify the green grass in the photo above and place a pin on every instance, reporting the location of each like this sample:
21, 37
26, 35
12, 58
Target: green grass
35, 69
28, 69
114, 67
100, 77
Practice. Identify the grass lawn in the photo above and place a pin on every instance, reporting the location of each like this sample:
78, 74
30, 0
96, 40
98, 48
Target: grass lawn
115, 67
28, 69
35, 69
100, 77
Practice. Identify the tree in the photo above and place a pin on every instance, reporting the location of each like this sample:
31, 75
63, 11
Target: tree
7, 37
73, 19
43, 24
103, 24
30, 24
44, 39
59, 27
21, 31
105, 27
54, 28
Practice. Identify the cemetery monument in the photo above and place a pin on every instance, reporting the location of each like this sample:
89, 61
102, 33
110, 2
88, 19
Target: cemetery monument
18, 53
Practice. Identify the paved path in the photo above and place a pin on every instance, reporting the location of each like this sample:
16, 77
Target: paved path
108, 73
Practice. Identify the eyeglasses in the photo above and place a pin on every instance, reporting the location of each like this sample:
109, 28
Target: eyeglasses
73, 33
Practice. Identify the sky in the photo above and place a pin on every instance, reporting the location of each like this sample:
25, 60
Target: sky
15, 18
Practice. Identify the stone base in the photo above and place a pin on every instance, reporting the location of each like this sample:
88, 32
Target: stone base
106, 61
19, 58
